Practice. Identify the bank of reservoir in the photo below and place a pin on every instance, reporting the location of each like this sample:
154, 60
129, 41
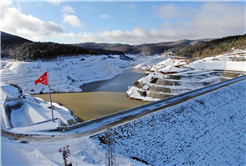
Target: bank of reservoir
100, 98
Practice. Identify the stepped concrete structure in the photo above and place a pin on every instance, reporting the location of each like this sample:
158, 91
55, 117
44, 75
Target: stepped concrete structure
172, 84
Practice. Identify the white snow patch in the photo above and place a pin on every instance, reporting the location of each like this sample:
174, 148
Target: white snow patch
207, 130
65, 75
228, 61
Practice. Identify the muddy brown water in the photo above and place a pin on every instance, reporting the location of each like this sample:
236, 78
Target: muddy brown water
100, 98
105, 97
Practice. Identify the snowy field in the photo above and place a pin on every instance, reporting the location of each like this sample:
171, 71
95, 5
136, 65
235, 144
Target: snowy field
207, 130
84, 151
65, 74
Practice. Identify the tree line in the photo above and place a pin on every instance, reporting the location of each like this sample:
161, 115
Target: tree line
42, 50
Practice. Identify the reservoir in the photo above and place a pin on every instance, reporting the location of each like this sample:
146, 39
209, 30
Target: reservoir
100, 98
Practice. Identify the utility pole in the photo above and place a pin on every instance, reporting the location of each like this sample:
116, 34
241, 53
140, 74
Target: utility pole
65, 153
110, 148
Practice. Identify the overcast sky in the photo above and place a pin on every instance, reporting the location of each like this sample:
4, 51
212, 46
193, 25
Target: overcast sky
132, 22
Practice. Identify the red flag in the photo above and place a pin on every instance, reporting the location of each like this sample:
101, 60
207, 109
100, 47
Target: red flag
43, 79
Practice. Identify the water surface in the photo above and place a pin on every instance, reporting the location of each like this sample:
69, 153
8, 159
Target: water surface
100, 98
118, 84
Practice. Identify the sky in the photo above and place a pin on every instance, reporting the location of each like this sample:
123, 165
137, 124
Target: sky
128, 22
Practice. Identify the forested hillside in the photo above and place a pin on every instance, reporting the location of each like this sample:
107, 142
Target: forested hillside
213, 47
50, 50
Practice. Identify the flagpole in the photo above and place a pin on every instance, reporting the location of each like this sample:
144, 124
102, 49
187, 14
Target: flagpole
50, 99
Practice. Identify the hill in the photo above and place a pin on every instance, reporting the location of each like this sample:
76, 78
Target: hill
23, 49
144, 49
19, 48
213, 47
7, 38
50, 50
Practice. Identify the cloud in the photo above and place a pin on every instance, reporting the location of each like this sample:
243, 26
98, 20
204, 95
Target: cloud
103, 16
136, 36
18, 6
27, 25
7, 3
67, 10
55, 2
168, 11
73, 20
166, 24
212, 20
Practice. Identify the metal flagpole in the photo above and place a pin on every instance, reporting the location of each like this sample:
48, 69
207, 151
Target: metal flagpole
50, 99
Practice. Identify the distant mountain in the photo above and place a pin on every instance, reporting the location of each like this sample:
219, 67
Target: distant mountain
145, 49
7, 38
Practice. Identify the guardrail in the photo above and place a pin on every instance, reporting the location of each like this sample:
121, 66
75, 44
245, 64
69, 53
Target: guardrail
145, 109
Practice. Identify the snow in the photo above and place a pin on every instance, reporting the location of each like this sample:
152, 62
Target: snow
165, 62
188, 75
237, 66
207, 130
162, 63
17, 156
222, 62
146, 62
8, 91
44, 151
65, 74
32, 114
133, 93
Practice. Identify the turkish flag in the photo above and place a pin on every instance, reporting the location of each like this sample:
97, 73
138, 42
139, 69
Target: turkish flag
43, 79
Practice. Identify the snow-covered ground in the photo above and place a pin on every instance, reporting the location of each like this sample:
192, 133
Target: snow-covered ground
170, 76
207, 130
43, 150
235, 61
26, 114
165, 62
84, 151
65, 74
